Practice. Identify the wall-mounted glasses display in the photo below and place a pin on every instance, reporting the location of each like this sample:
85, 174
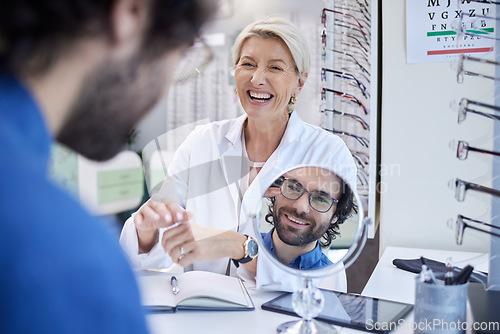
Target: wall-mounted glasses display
349, 84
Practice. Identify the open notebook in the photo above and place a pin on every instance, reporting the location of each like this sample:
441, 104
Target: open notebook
198, 290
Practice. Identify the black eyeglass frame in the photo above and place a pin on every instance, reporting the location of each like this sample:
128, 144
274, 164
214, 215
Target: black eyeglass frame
463, 109
345, 75
461, 72
462, 186
461, 225
463, 149
282, 181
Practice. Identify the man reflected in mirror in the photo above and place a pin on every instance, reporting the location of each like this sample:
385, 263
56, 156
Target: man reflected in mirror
307, 207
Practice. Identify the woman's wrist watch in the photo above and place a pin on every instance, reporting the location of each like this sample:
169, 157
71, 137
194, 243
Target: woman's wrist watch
250, 249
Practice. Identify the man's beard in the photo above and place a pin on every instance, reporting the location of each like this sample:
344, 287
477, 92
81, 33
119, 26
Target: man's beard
295, 236
113, 99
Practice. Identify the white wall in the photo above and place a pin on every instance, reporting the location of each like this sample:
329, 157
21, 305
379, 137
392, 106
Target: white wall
417, 163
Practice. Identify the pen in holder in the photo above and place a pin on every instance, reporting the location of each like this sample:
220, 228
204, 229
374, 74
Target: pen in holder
440, 308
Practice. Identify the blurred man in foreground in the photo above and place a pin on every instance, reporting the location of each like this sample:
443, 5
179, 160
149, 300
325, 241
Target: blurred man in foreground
83, 72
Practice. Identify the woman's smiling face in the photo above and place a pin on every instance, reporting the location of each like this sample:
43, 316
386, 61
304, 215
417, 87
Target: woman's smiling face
265, 77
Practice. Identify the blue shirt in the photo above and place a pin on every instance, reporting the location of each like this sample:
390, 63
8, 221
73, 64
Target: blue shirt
314, 259
61, 270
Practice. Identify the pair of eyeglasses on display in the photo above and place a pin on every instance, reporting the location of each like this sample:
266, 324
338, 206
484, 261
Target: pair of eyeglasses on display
362, 140
349, 43
461, 72
362, 177
349, 20
354, 117
462, 222
348, 66
463, 149
348, 62
350, 40
342, 27
339, 28
359, 163
194, 61
349, 57
362, 3
356, 5
461, 187
356, 52
463, 109
361, 157
348, 76
318, 200
345, 96
359, 10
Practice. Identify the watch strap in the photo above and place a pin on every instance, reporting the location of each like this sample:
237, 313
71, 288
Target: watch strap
246, 258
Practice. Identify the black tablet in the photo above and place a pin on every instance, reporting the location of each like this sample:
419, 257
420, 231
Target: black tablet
351, 310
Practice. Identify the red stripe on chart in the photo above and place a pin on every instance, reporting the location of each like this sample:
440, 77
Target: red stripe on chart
449, 52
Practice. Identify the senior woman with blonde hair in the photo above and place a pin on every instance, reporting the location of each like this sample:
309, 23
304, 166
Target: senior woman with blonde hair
218, 170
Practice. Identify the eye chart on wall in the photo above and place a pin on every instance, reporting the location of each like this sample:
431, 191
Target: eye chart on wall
441, 30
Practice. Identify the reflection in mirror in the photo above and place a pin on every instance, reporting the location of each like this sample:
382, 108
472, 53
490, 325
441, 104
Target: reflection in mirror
311, 225
309, 218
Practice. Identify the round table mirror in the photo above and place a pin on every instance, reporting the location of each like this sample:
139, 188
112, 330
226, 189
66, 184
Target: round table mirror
310, 223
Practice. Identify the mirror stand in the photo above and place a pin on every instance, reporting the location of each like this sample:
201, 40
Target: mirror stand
307, 303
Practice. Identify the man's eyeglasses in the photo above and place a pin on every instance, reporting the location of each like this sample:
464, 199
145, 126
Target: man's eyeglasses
293, 190
461, 225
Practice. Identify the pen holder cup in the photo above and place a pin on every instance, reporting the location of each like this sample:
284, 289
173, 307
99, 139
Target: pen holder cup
440, 308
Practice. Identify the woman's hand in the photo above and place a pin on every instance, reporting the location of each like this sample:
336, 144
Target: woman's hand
185, 250
154, 215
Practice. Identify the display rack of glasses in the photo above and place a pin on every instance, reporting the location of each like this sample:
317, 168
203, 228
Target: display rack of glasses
349, 87
485, 68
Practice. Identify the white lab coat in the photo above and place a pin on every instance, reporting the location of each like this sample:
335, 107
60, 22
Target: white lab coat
206, 170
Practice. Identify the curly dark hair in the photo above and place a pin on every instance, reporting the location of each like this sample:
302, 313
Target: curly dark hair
346, 207
34, 33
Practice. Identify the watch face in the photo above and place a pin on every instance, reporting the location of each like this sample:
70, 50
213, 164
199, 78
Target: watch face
252, 248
